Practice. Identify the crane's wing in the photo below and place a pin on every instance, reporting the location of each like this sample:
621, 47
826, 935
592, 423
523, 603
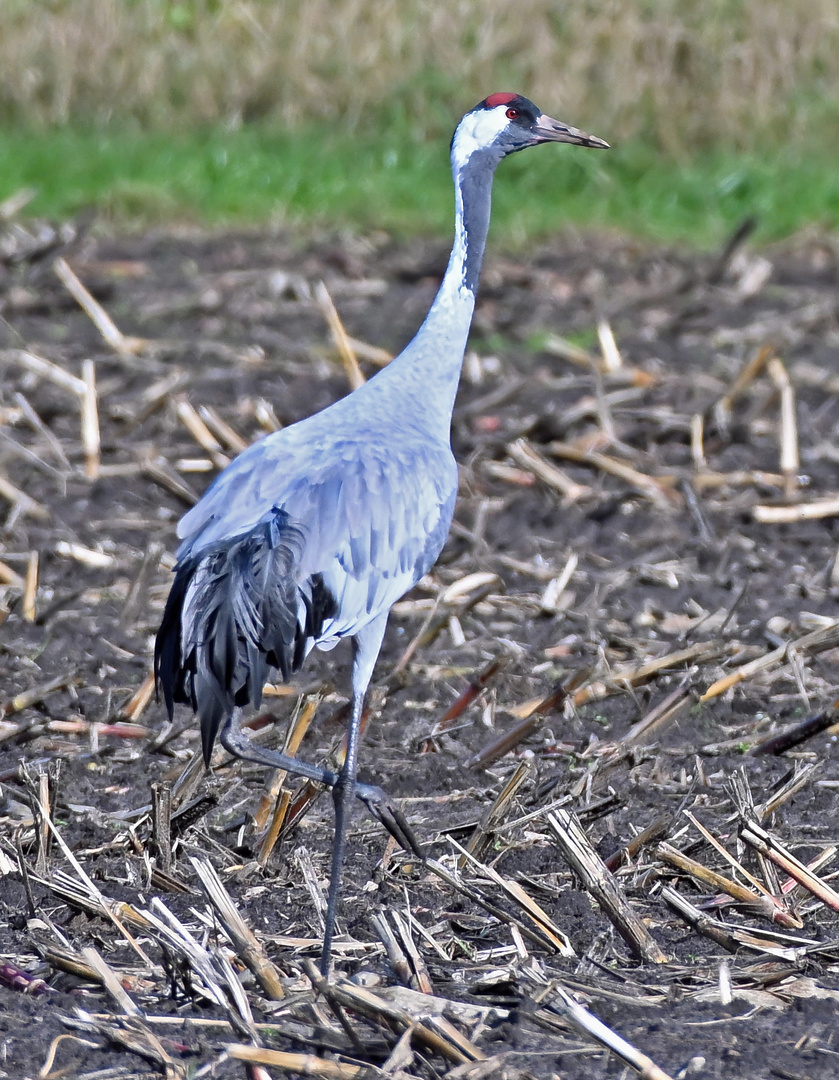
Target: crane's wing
299, 542
373, 515
375, 527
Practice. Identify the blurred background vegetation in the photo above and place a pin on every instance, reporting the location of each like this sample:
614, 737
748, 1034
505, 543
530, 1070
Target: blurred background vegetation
338, 111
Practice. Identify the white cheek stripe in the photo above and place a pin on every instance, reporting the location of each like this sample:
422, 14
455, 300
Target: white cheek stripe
476, 130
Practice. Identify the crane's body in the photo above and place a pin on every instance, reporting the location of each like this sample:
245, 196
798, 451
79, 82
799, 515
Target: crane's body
312, 534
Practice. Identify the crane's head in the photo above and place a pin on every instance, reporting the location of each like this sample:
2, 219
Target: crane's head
504, 123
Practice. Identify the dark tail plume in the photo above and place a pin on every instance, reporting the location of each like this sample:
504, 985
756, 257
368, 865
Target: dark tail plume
234, 612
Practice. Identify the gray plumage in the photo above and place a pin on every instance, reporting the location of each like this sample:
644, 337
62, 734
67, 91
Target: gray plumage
312, 534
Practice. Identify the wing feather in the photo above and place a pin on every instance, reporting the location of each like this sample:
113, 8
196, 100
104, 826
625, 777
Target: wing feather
373, 515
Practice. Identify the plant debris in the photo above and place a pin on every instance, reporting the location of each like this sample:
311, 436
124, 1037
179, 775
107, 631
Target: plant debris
609, 711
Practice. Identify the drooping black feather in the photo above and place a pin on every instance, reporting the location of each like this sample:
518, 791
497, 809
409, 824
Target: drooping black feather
235, 611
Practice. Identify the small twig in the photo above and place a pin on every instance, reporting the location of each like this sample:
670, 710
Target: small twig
245, 942
380, 357
473, 691
725, 853
699, 920
612, 360
221, 429
785, 515
788, 424
12, 205
420, 977
125, 346
98, 560
448, 1043
297, 728
161, 473
90, 420
722, 409
625, 854
816, 640
44, 806
517, 894
706, 532
766, 905
660, 494
161, 816
200, 432
799, 733
564, 1004
742, 797
455, 880
48, 370
155, 395
35, 694
339, 336
8, 576
45, 432
635, 674
733, 938
506, 742
303, 861
697, 441
484, 832
524, 455
662, 713
30, 588
22, 503
553, 599
758, 838
265, 416
393, 948
302, 1064
604, 887
801, 776
739, 478
140, 699
532, 714
45, 1072
568, 350
109, 980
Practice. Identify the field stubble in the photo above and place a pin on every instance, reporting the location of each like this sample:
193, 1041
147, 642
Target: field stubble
614, 687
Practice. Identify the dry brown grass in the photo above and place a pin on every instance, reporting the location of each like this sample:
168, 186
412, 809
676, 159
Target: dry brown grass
684, 74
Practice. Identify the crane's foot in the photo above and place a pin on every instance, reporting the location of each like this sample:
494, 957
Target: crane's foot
234, 740
380, 806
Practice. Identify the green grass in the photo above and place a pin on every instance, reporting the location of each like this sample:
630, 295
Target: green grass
315, 178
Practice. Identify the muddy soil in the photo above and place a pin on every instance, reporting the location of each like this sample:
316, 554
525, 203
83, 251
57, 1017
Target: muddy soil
615, 554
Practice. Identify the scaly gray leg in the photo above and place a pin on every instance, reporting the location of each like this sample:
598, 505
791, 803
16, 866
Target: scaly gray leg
235, 742
342, 790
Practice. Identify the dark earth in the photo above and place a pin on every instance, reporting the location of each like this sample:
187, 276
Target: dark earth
586, 575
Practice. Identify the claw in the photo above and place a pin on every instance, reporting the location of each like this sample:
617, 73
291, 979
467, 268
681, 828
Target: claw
380, 806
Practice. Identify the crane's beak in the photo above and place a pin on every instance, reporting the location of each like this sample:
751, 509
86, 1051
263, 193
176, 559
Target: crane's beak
546, 129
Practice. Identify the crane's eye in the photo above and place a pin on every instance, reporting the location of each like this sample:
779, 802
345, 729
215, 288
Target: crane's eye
512, 114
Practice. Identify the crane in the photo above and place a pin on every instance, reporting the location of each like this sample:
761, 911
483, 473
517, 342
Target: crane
312, 534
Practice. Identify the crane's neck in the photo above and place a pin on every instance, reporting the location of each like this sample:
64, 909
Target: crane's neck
428, 370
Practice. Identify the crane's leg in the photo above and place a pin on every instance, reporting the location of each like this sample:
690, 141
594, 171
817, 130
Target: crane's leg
366, 645
235, 742
342, 790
